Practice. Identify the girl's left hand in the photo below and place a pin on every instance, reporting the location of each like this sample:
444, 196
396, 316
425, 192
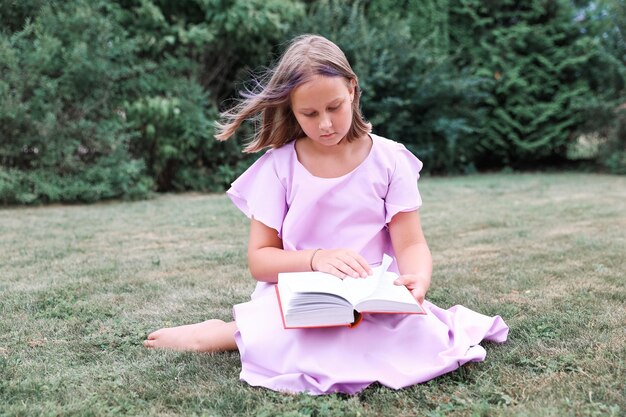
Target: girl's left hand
415, 283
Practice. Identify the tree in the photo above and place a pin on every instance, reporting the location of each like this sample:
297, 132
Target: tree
544, 72
412, 92
606, 20
104, 99
61, 134
198, 52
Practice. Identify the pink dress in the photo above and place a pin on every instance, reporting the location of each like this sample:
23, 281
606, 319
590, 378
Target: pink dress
350, 211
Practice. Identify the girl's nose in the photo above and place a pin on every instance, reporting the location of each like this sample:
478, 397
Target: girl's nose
325, 122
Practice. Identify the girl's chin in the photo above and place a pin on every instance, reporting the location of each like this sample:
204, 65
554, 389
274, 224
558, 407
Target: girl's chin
328, 140
333, 139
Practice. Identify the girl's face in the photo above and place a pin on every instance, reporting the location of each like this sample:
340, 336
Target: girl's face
323, 108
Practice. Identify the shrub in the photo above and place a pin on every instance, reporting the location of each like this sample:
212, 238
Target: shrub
104, 99
61, 135
549, 75
411, 91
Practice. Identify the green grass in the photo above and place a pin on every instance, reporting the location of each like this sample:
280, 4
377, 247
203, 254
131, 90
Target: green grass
81, 287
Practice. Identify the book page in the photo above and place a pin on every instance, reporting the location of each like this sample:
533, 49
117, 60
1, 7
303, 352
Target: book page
357, 289
312, 299
311, 282
318, 298
388, 297
351, 289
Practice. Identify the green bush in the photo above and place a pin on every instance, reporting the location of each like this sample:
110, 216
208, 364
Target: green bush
613, 154
106, 99
172, 133
198, 52
411, 91
15, 13
550, 77
61, 134
115, 99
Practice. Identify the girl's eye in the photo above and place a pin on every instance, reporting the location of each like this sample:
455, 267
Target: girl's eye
313, 114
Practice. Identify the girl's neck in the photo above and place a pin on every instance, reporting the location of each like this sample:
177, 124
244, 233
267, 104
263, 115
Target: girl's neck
332, 161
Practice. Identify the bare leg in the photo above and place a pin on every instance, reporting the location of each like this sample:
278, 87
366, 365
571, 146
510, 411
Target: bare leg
208, 336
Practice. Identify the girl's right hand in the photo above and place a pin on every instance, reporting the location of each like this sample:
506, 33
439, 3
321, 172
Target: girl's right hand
342, 263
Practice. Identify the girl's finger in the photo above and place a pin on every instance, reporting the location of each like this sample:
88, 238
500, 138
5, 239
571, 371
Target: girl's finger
400, 281
347, 268
356, 269
418, 295
333, 270
358, 264
365, 266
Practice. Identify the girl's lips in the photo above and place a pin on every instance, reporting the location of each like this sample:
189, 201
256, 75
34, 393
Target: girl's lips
326, 136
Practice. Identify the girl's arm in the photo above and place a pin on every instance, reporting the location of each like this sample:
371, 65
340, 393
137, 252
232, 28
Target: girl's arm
266, 257
412, 254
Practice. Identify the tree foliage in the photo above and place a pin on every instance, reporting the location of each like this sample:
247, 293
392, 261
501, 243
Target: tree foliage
544, 66
411, 90
61, 135
608, 19
116, 99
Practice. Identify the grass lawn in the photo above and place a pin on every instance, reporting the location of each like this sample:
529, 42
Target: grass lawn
81, 287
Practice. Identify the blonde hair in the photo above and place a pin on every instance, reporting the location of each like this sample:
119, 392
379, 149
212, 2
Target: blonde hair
306, 57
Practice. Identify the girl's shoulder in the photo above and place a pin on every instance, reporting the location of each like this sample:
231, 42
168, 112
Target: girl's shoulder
388, 152
279, 161
277, 156
385, 144
283, 152
395, 159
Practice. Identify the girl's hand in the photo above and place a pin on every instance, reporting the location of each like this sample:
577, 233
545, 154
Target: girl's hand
342, 263
417, 284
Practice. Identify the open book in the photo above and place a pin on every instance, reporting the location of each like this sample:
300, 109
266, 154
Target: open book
318, 299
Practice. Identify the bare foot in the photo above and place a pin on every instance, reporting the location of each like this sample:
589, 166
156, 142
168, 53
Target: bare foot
208, 336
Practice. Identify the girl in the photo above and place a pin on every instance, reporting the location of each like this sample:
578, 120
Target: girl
330, 196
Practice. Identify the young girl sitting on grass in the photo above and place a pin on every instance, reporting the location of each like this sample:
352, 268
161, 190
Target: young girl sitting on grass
330, 196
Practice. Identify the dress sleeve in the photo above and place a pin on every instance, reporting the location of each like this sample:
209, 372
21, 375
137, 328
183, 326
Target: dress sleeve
260, 194
402, 193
